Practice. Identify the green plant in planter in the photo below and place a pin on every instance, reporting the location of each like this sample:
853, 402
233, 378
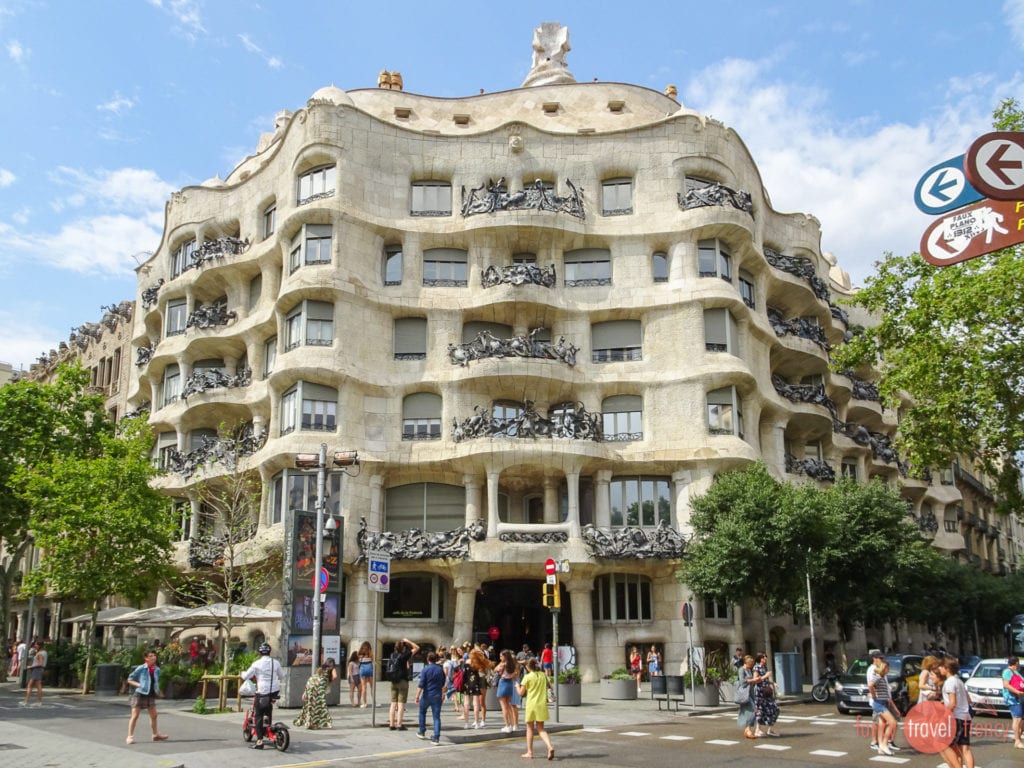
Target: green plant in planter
619, 674
694, 677
569, 676
200, 708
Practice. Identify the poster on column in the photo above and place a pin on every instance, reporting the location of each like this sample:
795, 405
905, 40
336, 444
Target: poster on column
304, 552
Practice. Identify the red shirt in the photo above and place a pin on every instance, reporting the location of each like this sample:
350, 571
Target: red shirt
546, 656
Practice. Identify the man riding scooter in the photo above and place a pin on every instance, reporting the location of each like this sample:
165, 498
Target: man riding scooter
267, 673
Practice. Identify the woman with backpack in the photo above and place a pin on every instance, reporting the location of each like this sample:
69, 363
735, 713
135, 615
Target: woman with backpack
476, 686
399, 666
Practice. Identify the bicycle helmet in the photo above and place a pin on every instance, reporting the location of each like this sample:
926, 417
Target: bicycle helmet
264, 649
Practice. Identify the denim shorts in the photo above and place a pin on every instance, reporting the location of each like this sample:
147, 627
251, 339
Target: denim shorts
1016, 709
878, 707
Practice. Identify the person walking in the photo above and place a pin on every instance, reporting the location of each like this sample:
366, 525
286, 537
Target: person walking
268, 674
145, 680
315, 715
766, 708
353, 679
366, 674
636, 667
476, 686
429, 695
954, 698
36, 665
653, 662
401, 659
928, 680
507, 672
880, 699
745, 683
534, 687
1013, 690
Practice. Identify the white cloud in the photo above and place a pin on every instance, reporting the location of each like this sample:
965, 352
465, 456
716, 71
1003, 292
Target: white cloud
6, 178
272, 61
25, 334
130, 190
857, 179
17, 53
1014, 10
186, 13
117, 104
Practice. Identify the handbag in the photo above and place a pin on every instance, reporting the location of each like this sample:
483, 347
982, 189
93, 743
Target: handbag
1017, 684
248, 688
742, 695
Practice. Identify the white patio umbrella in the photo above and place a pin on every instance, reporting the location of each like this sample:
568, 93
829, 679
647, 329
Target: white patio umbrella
214, 615
101, 616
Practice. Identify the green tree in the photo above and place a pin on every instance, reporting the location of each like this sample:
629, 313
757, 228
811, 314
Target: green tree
102, 528
952, 339
38, 421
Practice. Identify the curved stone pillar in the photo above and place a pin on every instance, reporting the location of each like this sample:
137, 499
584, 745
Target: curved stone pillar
583, 627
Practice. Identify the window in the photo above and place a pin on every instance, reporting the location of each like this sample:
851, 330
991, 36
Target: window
619, 597
269, 355
181, 513
640, 501
747, 288
269, 220
293, 489
431, 198
393, 265
445, 267
421, 416
951, 521
410, 336
172, 384
181, 259
724, 414
255, 291
659, 267
199, 437
848, 469
617, 197
166, 442
315, 184
720, 331
415, 598
714, 259
472, 329
507, 412
616, 341
587, 267
812, 451
310, 323
312, 245
524, 258
430, 507
177, 316
622, 418
716, 609
319, 408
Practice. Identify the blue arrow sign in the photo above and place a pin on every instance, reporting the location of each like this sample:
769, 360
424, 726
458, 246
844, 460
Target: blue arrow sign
945, 187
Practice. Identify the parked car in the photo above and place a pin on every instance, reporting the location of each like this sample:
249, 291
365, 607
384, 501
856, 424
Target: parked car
985, 687
852, 685
967, 665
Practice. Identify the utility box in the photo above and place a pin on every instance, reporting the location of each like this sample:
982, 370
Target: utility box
788, 673
108, 679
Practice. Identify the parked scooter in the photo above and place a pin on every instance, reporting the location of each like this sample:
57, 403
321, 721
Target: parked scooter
822, 690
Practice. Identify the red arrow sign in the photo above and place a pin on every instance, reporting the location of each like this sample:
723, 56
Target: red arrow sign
973, 231
995, 165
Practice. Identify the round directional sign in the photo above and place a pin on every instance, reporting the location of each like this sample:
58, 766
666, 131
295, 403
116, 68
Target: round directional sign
550, 567
994, 164
944, 187
324, 580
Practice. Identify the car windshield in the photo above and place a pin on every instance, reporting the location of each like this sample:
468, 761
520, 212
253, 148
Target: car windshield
859, 668
989, 670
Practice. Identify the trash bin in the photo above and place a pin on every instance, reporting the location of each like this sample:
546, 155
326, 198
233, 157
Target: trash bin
788, 673
108, 679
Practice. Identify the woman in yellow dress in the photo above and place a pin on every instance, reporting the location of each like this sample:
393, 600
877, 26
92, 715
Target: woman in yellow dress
533, 688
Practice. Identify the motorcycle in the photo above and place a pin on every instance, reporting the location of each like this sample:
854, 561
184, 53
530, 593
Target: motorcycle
822, 690
276, 734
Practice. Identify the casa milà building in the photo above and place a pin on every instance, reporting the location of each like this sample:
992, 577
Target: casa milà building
545, 317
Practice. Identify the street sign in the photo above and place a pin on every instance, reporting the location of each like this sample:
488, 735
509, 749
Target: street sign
995, 165
551, 579
563, 567
550, 567
944, 187
324, 580
973, 231
687, 615
494, 633
378, 577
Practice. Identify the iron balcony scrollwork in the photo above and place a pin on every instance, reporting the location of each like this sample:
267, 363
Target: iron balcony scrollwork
797, 326
493, 196
864, 390
215, 249
534, 537
214, 450
716, 194
486, 344
663, 542
571, 422
206, 550
149, 294
207, 316
143, 355
519, 274
804, 393
800, 267
141, 410
810, 467
205, 379
417, 544
880, 444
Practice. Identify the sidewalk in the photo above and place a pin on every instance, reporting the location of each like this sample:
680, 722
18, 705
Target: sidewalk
87, 731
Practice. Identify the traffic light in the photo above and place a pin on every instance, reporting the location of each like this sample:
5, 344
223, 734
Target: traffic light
551, 596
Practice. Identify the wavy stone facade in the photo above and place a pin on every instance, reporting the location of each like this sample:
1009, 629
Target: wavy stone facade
377, 230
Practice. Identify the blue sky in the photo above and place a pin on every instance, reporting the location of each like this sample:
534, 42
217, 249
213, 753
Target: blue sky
110, 106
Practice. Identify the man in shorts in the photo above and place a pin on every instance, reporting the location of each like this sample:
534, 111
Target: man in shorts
1013, 689
406, 649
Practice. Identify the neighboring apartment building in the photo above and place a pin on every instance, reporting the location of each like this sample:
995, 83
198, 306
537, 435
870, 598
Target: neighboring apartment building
544, 317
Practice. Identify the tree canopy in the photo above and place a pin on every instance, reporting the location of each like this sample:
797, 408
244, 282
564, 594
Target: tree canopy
952, 340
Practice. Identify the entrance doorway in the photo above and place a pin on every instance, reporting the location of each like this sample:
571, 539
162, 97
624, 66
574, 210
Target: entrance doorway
514, 607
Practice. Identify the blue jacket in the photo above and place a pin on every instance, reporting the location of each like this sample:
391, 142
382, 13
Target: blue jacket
141, 676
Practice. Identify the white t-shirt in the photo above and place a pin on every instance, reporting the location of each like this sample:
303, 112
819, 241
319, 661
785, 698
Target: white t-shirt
267, 673
954, 685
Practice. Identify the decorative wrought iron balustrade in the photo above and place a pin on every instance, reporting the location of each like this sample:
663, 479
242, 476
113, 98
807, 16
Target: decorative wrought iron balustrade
486, 344
519, 274
575, 423
492, 196
715, 195
417, 544
662, 542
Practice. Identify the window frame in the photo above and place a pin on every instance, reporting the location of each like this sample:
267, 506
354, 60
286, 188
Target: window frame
393, 253
301, 251
582, 267
721, 258
640, 489
449, 272
177, 317
623, 330
321, 181
299, 324
300, 408
437, 609
269, 220
747, 289
612, 594
181, 258
712, 341
400, 340
424, 203
617, 426
419, 419
168, 393
726, 412
615, 192
659, 267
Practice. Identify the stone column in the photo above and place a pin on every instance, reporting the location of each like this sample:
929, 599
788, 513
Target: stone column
492, 504
736, 636
602, 499
579, 590
376, 518
682, 480
473, 487
551, 500
465, 603
573, 481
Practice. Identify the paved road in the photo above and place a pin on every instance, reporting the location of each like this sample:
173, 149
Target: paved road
71, 730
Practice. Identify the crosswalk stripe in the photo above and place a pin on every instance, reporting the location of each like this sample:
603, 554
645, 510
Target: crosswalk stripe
773, 747
677, 738
634, 733
722, 742
888, 759
828, 753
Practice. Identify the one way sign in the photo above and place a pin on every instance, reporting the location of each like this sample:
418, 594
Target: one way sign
945, 187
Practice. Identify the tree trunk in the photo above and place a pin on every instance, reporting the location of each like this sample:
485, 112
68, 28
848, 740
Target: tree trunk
90, 646
768, 640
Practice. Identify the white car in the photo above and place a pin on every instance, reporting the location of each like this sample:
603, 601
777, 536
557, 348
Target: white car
985, 687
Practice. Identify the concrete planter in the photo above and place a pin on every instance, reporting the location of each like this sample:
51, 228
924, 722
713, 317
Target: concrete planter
727, 692
619, 690
705, 696
571, 694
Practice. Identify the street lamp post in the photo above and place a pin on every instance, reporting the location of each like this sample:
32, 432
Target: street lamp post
319, 462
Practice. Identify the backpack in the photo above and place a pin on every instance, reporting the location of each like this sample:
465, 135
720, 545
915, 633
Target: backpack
395, 669
459, 679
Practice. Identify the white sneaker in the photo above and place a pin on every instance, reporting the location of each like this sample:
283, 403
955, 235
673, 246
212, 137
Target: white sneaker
507, 729
465, 725
885, 751
483, 723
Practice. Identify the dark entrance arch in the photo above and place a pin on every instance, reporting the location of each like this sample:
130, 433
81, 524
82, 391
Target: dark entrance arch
514, 607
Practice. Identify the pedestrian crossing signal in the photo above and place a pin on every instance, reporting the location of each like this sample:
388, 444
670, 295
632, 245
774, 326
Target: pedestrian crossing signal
551, 597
